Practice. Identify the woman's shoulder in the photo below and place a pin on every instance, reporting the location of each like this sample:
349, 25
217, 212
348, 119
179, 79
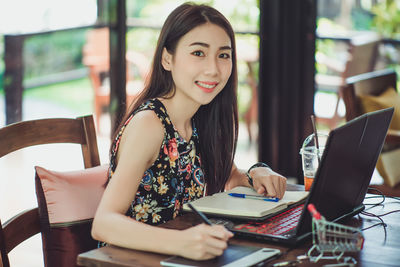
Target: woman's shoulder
150, 104
146, 122
144, 134
143, 127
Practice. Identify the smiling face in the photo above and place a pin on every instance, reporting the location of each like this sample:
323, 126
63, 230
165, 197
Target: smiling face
201, 64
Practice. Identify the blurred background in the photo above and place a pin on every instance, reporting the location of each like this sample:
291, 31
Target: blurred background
48, 38
57, 54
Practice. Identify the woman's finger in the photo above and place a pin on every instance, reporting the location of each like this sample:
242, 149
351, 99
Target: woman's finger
271, 190
283, 187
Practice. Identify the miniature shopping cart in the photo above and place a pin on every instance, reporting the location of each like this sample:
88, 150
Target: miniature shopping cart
332, 240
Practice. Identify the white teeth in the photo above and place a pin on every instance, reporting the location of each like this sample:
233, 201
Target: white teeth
208, 86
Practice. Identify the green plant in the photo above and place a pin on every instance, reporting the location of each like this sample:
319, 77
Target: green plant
1, 63
54, 52
326, 47
361, 19
387, 18
76, 95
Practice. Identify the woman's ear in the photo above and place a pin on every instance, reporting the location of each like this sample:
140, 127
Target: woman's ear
166, 59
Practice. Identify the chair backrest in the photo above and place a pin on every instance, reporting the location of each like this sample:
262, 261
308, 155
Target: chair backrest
371, 83
372, 91
37, 132
363, 53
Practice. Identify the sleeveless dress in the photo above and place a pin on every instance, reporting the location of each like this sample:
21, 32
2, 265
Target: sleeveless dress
175, 177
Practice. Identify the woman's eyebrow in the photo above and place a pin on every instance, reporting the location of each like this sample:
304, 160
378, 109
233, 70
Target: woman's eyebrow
200, 44
226, 47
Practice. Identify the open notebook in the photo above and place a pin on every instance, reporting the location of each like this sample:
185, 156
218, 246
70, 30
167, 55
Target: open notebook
224, 205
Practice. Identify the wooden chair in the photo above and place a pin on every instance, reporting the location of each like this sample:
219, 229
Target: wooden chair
361, 58
37, 132
96, 56
372, 83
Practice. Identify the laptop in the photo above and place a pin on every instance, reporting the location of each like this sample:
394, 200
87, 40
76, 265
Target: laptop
340, 184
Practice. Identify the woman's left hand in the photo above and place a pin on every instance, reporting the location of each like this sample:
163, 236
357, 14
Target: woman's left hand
268, 182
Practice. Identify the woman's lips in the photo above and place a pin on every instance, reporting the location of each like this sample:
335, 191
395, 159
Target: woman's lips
207, 87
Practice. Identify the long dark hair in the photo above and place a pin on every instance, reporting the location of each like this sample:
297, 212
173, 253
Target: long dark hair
216, 122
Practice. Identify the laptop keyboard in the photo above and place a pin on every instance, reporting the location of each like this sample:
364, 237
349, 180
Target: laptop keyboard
280, 224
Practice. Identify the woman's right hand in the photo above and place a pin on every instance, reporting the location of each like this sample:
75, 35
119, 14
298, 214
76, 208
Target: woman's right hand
203, 242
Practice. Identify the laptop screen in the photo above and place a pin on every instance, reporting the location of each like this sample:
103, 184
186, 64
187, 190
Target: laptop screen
346, 168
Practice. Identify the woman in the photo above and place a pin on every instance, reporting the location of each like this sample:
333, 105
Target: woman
178, 141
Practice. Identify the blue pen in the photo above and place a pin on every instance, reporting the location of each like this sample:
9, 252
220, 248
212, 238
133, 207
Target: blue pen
273, 199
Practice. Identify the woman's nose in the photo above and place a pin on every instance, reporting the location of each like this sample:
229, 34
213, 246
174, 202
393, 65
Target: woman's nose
212, 67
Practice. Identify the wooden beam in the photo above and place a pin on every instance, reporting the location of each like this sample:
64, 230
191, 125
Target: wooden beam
117, 14
13, 76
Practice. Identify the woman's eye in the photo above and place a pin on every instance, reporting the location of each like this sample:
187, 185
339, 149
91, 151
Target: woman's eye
225, 55
198, 53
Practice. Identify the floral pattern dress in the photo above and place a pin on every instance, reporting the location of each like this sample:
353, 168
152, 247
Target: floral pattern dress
175, 177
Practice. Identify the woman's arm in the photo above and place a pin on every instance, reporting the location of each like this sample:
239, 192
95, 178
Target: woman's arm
265, 181
138, 149
237, 178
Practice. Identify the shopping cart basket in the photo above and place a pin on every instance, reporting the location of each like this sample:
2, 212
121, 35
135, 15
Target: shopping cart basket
332, 240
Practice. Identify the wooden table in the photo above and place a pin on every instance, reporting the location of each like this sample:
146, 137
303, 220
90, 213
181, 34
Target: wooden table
376, 251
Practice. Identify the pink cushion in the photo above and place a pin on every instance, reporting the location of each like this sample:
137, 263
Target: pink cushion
67, 203
72, 196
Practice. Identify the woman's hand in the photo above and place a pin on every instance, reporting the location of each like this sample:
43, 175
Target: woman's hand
268, 182
203, 242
